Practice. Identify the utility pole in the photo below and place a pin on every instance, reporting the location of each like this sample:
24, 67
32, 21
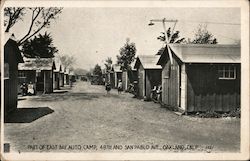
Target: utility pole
167, 40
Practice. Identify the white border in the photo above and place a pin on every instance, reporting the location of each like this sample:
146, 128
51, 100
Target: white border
243, 155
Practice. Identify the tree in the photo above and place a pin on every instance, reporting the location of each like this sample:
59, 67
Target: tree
108, 63
203, 36
174, 38
97, 72
40, 18
40, 46
127, 55
67, 61
12, 15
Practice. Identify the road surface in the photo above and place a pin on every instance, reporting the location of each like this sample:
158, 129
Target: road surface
86, 119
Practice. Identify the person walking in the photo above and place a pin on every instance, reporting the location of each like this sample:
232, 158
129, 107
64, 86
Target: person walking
119, 87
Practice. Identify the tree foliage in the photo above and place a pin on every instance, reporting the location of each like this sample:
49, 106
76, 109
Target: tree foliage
40, 46
67, 61
127, 55
174, 38
41, 17
97, 70
108, 63
203, 36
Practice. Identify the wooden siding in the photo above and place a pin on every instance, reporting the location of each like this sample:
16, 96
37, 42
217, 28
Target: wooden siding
170, 84
11, 84
208, 93
45, 81
61, 79
112, 80
56, 81
125, 80
141, 82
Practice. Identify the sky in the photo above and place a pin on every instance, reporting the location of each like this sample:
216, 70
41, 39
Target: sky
93, 34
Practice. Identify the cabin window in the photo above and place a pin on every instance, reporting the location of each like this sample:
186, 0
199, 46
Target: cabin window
227, 72
21, 74
6, 71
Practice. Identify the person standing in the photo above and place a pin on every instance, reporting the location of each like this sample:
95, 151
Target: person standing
119, 86
108, 87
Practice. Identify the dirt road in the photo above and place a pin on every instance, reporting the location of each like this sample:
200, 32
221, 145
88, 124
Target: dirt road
85, 119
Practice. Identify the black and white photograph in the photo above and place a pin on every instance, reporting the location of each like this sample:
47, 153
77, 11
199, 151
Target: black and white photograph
159, 77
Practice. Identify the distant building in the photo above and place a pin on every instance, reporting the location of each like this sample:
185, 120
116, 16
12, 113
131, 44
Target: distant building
66, 76
129, 76
201, 77
12, 56
149, 74
56, 73
38, 71
61, 76
117, 74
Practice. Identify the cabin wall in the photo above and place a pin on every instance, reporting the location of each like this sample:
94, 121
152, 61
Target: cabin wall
125, 80
61, 80
66, 79
206, 92
56, 80
112, 80
48, 81
141, 82
170, 84
11, 84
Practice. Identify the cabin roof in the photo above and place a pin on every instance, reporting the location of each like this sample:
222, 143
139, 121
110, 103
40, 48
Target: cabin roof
204, 53
37, 64
71, 73
116, 68
147, 61
10, 38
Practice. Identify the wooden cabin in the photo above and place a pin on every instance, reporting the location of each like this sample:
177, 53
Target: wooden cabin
38, 71
12, 57
66, 77
129, 76
61, 77
72, 76
56, 74
201, 77
149, 74
117, 74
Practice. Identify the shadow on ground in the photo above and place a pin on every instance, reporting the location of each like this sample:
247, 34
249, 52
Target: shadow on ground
68, 96
27, 115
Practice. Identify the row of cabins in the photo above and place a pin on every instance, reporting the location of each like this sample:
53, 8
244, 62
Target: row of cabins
44, 73
47, 74
193, 77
